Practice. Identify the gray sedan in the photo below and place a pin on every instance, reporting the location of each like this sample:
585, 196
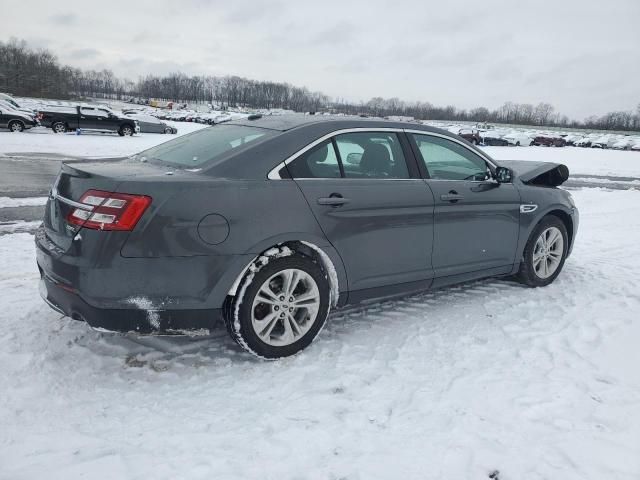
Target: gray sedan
150, 124
269, 223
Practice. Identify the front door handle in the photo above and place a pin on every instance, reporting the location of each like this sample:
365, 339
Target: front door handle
335, 200
452, 196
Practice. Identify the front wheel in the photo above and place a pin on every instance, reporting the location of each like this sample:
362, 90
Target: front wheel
280, 307
545, 253
126, 131
16, 126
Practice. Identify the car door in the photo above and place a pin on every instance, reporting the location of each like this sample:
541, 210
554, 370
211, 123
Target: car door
104, 121
371, 205
88, 118
476, 218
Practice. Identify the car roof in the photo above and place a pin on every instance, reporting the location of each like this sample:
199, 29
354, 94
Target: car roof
291, 133
292, 121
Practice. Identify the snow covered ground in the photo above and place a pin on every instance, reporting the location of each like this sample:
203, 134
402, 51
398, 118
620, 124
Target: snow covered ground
583, 161
42, 140
452, 384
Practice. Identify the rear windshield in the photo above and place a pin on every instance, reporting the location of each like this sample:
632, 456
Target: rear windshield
204, 146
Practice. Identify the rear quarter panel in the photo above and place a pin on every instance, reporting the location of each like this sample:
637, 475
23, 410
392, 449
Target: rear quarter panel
259, 214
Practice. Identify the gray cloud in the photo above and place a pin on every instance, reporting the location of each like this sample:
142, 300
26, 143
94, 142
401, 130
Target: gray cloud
64, 19
84, 53
580, 56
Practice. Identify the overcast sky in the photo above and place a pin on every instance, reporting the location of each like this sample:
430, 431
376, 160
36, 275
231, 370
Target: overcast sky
582, 56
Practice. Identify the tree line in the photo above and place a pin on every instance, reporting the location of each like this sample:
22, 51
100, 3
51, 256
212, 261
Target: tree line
37, 73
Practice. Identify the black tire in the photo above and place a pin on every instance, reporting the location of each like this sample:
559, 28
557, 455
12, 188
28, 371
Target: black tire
16, 126
59, 127
168, 130
527, 274
126, 130
238, 311
517, 144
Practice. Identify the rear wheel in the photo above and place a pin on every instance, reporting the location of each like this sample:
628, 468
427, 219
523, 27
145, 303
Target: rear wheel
280, 307
168, 130
545, 253
16, 126
59, 127
126, 131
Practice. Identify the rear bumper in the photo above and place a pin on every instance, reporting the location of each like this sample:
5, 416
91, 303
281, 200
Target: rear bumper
139, 320
158, 296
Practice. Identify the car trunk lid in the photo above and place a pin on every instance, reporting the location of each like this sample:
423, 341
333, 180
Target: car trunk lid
73, 181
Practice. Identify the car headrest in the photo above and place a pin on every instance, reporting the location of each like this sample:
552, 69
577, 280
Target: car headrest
376, 159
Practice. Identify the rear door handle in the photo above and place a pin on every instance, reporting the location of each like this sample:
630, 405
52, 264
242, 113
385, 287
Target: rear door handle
452, 196
334, 201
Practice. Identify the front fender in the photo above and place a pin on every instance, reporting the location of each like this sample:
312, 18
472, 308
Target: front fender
529, 221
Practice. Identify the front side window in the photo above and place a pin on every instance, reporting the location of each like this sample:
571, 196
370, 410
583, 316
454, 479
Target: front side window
204, 146
319, 162
371, 155
448, 160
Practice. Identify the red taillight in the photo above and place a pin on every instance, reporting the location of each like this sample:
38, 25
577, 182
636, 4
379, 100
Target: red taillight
111, 211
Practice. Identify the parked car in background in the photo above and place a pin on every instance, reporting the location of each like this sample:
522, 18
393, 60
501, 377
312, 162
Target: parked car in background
572, 138
549, 141
491, 138
150, 124
584, 142
15, 120
625, 143
87, 117
15, 104
11, 103
605, 141
518, 139
470, 134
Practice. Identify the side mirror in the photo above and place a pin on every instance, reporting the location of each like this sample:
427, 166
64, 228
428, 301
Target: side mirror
504, 175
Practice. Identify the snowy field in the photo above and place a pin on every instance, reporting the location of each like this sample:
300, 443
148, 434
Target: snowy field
43, 140
452, 384
583, 161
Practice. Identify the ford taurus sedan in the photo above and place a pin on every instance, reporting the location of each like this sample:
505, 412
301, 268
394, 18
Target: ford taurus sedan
269, 223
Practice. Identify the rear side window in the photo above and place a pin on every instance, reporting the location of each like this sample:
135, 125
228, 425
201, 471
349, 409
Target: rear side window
204, 146
358, 155
371, 155
319, 162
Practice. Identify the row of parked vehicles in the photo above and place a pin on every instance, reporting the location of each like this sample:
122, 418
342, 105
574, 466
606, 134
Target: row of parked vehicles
510, 137
18, 117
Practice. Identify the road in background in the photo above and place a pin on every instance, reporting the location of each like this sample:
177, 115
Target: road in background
28, 175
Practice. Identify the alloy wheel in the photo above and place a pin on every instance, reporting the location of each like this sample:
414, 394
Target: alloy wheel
548, 252
285, 307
